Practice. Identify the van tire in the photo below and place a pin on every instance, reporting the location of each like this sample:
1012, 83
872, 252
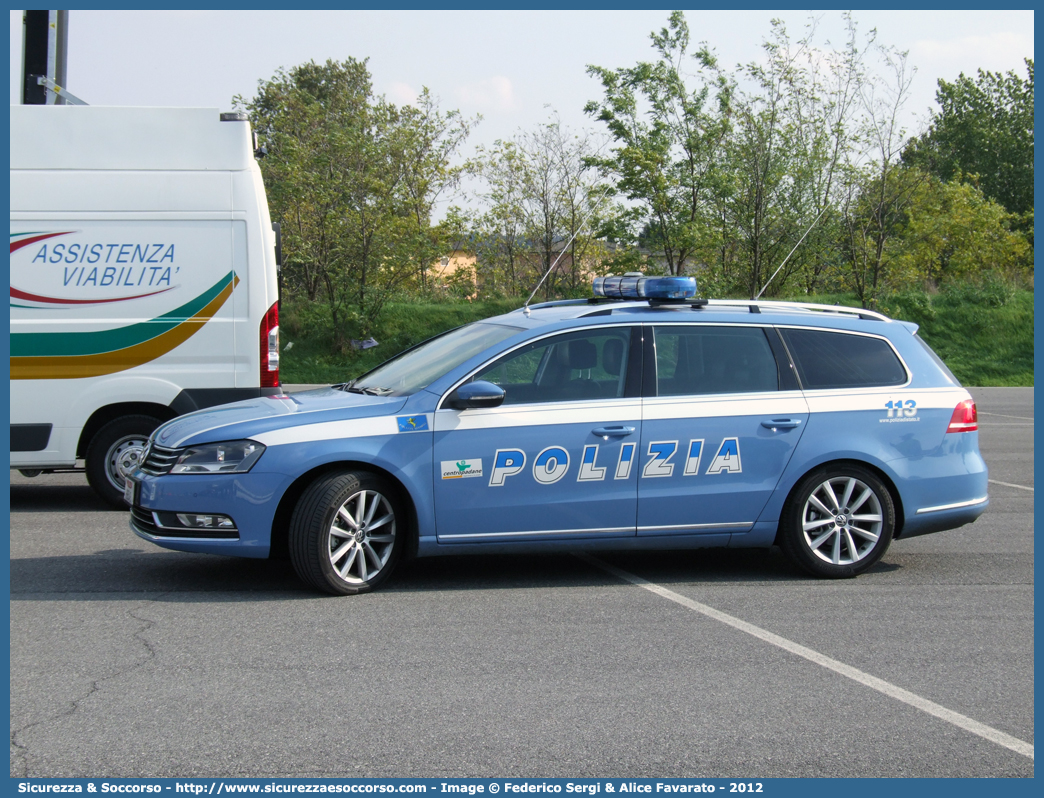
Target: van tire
115, 449
346, 532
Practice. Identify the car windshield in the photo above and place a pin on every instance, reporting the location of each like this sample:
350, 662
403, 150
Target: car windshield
418, 367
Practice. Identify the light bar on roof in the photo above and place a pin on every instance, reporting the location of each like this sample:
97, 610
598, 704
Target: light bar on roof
636, 286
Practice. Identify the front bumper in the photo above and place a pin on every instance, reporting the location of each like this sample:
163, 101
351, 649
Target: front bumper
250, 500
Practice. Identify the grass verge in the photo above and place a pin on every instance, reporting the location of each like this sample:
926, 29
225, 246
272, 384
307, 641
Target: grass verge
985, 335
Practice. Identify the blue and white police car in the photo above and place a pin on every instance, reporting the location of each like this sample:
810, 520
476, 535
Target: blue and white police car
639, 419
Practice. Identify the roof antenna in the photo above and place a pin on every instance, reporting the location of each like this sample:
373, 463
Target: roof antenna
582, 226
798, 244
525, 306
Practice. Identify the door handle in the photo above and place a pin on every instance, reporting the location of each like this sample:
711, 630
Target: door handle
612, 432
780, 423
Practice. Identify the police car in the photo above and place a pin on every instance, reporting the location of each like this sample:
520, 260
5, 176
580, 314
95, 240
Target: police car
639, 419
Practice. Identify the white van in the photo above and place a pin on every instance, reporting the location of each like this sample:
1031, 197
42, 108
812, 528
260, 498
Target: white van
143, 280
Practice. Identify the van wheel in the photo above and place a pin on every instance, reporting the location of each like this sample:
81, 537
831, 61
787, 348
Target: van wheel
345, 533
114, 451
839, 521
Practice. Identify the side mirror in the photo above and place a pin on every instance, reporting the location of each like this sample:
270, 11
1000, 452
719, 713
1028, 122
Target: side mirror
475, 395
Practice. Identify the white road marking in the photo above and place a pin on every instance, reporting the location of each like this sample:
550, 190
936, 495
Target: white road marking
1002, 415
1009, 485
880, 685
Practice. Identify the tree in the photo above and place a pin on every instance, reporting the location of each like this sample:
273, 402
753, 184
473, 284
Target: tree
730, 176
951, 231
811, 112
430, 142
586, 210
352, 179
881, 188
770, 176
543, 206
290, 114
826, 109
669, 140
984, 127
500, 232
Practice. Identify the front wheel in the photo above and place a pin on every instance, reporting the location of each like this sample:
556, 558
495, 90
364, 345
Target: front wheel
115, 451
838, 522
346, 533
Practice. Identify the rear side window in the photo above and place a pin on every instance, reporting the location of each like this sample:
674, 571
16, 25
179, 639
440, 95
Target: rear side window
702, 359
842, 360
937, 360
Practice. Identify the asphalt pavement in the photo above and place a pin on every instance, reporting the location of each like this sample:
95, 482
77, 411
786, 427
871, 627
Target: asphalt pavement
129, 660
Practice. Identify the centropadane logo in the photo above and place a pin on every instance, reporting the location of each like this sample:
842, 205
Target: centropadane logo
461, 469
68, 272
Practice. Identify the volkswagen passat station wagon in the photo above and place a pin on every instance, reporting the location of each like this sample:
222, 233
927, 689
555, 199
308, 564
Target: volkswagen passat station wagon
641, 418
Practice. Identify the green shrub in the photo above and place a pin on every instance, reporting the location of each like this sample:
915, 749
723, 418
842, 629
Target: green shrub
991, 292
909, 305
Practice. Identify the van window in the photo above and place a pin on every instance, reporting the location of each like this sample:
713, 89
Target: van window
842, 360
701, 359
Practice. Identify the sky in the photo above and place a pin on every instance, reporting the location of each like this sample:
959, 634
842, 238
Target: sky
512, 67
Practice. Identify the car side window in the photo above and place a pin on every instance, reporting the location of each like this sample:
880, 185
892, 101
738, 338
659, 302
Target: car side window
589, 364
703, 359
842, 360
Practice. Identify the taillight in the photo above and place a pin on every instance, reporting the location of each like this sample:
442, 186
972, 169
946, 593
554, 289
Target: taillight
965, 417
270, 348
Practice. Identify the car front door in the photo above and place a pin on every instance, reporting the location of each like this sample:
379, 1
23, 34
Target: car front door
720, 421
556, 459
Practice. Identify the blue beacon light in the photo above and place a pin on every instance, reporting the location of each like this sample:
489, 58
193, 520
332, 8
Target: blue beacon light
637, 286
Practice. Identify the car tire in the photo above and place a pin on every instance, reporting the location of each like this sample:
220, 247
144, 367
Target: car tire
838, 522
115, 450
346, 533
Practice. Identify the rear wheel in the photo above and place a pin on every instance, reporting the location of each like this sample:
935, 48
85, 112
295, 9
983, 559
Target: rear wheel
115, 451
346, 533
839, 521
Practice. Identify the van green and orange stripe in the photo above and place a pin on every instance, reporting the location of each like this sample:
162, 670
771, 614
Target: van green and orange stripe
52, 356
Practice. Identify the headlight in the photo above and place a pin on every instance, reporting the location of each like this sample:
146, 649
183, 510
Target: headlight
230, 457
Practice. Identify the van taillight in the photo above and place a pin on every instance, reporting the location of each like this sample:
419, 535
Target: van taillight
965, 417
270, 348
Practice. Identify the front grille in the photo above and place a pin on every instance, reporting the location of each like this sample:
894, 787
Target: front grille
159, 460
142, 520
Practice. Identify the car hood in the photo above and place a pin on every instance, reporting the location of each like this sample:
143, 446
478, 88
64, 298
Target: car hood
256, 416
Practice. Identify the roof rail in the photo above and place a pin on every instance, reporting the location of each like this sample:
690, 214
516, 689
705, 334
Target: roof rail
558, 303
806, 306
